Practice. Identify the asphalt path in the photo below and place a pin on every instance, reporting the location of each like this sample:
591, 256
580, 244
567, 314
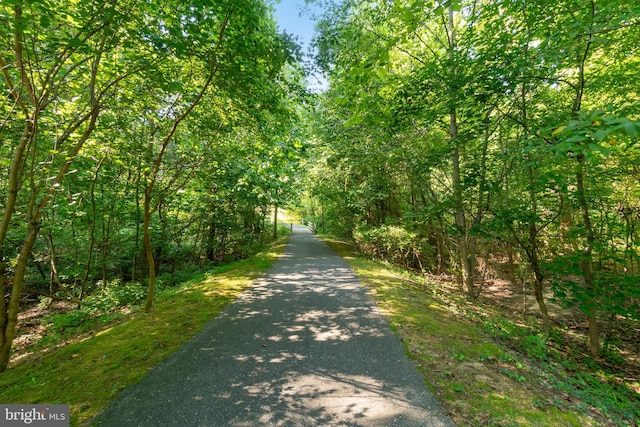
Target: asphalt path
305, 346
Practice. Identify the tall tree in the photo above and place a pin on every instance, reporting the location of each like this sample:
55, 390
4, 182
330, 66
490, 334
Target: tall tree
59, 73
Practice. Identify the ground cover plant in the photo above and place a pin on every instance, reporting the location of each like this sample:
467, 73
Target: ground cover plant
487, 366
96, 360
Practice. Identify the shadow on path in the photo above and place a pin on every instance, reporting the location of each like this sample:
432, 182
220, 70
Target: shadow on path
304, 346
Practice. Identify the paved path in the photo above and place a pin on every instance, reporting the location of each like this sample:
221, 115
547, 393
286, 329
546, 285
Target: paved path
306, 346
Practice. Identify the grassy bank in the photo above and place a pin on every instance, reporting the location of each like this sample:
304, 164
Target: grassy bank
88, 371
485, 369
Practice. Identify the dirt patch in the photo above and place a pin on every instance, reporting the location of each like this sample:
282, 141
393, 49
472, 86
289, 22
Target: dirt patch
517, 301
32, 326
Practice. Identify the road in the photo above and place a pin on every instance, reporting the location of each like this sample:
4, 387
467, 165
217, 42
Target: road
305, 346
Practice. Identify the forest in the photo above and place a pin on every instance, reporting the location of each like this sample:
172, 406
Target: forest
457, 136
137, 138
463, 140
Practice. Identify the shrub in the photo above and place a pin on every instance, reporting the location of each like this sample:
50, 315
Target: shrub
395, 245
116, 294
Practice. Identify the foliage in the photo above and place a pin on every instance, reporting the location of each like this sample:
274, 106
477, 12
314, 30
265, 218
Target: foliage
393, 244
491, 130
114, 296
119, 353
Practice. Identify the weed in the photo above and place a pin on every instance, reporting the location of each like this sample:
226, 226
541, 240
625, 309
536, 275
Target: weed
535, 346
458, 387
92, 371
611, 354
534, 383
459, 356
513, 375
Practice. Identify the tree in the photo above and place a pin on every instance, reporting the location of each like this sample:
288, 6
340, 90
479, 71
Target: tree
59, 74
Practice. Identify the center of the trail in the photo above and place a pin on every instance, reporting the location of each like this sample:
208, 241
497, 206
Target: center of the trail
306, 345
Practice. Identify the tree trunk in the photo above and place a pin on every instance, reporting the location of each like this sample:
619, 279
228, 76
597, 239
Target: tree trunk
275, 221
467, 263
104, 247
211, 242
148, 250
92, 230
53, 274
6, 336
532, 253
10, 312
465, 255
586, 262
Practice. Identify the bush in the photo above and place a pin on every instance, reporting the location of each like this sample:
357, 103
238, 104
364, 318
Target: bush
395, 245
116, 295
72, 319
97, 308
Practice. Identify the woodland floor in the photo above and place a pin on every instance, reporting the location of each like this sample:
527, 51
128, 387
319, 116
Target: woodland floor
517, 302
499, 295
37, 334
32, 326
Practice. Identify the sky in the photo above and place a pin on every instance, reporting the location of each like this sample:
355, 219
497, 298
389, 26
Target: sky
293, 19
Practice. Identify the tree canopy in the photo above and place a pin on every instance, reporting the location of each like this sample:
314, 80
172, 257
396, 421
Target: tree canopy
136, 138
457, 131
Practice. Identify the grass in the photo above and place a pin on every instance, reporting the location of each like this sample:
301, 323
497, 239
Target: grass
485, 370
478, 379
91, 371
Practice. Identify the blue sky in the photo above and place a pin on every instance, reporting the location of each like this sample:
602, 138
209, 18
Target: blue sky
293, 18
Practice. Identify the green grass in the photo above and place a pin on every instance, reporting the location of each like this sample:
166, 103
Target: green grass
485, 370
479, 381
90, 372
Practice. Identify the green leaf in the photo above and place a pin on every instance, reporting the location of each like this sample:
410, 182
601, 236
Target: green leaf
601, 134
599, 148
45, 22
576, 138
564, 146
75, 42
632, 129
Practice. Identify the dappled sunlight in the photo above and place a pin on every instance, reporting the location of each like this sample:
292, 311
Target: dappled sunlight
305, 345
104, 331
247, 358
354, 395
321, 397
287, 356
323, 325
250, 313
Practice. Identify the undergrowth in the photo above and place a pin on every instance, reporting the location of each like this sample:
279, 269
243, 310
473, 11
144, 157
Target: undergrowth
115, 301
592, 385
492, 370
110, 343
